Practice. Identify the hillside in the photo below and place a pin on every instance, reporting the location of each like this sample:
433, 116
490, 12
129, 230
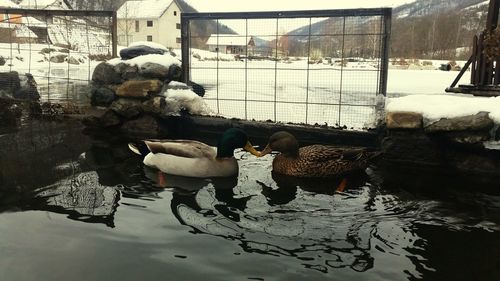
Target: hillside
432, 29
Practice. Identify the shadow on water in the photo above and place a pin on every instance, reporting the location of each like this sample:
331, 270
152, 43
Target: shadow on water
379, 228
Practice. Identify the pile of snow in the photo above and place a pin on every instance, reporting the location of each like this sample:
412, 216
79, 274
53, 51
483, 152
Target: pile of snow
149, 44
208, 55
435, 107
166, 60
179, 99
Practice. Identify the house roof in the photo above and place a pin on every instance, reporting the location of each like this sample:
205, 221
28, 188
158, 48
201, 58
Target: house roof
228, 40
145, 9
43, 4
8, 4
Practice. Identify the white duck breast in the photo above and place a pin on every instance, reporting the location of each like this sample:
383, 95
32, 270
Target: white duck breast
189, 158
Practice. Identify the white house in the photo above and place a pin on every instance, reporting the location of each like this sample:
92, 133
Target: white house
230, 43
45, 4
150, 20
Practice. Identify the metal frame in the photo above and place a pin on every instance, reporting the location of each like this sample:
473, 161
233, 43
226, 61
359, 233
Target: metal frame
384, 38
385, 12
110, 26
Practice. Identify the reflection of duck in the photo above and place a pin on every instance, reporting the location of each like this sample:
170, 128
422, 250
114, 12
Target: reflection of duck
314, 161
195, 159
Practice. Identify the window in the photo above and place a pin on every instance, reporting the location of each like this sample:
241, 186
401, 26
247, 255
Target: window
150, 38
178, 25
178, 40
136, 26
175, 13
149, 23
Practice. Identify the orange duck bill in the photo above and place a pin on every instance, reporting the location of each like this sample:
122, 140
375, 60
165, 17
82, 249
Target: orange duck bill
266, 150
248, 147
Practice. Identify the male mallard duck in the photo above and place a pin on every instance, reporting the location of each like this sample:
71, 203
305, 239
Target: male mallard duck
193, 158
314, 161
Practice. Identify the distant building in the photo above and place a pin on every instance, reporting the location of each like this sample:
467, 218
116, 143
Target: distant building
45, 4
18, 29
150, 20
231, 44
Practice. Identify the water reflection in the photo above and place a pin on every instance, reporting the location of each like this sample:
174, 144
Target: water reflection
377, 229
219, 207
82, 197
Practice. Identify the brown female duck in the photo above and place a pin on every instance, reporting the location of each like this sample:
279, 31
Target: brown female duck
314, 161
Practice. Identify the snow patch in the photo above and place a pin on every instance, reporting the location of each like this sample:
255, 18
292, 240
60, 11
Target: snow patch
166, 60
435, 107
179, 99
149, 44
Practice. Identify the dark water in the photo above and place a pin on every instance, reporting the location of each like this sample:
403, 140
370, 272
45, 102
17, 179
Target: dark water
76, 208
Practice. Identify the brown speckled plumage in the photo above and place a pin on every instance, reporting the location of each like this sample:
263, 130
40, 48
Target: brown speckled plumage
316, 160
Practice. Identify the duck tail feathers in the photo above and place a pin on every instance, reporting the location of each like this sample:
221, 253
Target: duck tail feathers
139, 148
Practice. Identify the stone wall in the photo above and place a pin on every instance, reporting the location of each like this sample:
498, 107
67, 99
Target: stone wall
18, 93
449, 144
132, 92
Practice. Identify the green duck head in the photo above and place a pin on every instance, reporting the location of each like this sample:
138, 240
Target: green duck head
283, 142
230, 140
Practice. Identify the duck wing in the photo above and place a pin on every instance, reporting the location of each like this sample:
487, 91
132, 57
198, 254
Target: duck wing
320, 153
181, 148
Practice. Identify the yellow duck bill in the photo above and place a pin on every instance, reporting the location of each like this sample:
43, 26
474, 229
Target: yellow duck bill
248, 147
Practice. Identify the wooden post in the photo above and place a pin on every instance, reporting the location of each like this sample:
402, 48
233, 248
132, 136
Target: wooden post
492, 20
496, 80
473, 74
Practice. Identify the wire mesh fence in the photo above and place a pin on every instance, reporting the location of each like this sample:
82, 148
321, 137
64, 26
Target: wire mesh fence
55, 50
313, 67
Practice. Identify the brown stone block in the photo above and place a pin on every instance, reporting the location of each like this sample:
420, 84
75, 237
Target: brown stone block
404, 120
138, 88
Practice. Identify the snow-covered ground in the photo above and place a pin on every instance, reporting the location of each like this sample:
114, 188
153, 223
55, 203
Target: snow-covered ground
298, 92
54, 80
309, 93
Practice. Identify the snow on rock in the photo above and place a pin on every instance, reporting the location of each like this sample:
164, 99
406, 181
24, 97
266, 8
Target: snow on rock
179, 99
149, 44
166, 60
435, 107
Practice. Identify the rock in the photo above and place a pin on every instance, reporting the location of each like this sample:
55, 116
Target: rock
2, 61
58, 58
28, 88
10, 113
139, 50
91, 121
154, 70
139, 88
144, 126
127, 71
478, 122
197, 88
404, 120
105, 73
47, 50
155, 105
127, 108
174, 72
72, 60
102, 96
109, 119
10, 82
467, 137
